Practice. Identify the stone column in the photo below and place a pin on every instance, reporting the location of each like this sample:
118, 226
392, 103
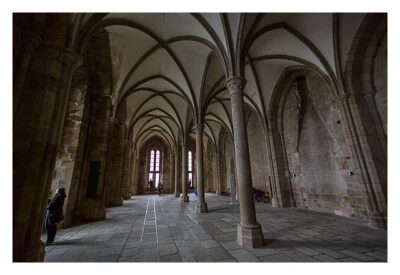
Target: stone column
134, 174
176, 161
37, 130
184, 197
249, 231
201, 205
115, 161
217, 159
126, 194
217, 173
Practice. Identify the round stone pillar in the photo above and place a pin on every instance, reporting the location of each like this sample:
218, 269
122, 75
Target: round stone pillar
249, 231
176, 159
201, 205
48, 77
184, 197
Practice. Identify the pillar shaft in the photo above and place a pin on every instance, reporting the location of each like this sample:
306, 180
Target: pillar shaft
37, 136
176, 159
249, 231
185, 197
201, 206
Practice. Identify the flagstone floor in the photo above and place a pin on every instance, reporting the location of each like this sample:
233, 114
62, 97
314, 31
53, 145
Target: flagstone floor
156, 228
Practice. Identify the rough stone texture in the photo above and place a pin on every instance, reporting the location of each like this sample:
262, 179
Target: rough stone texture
369, 144
380, 81
114, 196
127, 170
67, 154
94, 137
319, 170
210, 178
258, 154
226, 161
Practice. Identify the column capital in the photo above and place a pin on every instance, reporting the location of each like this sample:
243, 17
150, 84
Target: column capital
199, 126
235, 84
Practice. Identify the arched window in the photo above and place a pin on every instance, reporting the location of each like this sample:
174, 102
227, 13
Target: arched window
154, 167
190, 169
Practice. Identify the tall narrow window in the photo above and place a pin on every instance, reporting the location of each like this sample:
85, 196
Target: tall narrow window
190, 170
154, 168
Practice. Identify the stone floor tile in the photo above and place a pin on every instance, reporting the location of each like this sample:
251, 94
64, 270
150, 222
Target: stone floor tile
298, 256
209, 243
377, 255
325, 258
359, 256
277, 258
115, 250
173, 258
167, 249
171, 231
242, 255
262, 251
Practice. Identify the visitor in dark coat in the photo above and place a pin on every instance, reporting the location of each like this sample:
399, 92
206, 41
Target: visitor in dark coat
54, 214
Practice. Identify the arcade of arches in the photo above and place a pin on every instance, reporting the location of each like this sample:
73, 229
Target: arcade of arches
114, 106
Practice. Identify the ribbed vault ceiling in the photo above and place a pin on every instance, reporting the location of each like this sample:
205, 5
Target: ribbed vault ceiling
169, 70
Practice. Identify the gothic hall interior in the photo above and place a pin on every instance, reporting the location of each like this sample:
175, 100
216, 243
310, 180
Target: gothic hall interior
201, 137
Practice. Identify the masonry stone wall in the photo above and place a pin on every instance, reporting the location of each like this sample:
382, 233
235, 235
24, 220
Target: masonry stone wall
209, 168
67, 154
229, 159
380, 81
167, 172
258, 154
320, 168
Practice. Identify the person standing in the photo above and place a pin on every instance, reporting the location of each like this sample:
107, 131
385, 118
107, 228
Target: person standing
54, 214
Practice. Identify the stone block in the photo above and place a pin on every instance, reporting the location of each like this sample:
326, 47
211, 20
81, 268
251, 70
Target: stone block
250, 236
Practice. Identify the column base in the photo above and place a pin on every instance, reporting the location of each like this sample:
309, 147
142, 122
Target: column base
376, 221
184, 198
201, 207
115, 202
274, 202
250, 236
177, 194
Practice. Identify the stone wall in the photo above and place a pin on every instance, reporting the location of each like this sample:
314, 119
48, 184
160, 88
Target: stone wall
66, 157
319, 161
209, 168
380, 81
228, 165
258, 153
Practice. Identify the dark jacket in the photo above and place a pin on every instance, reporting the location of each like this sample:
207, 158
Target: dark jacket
55, 208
